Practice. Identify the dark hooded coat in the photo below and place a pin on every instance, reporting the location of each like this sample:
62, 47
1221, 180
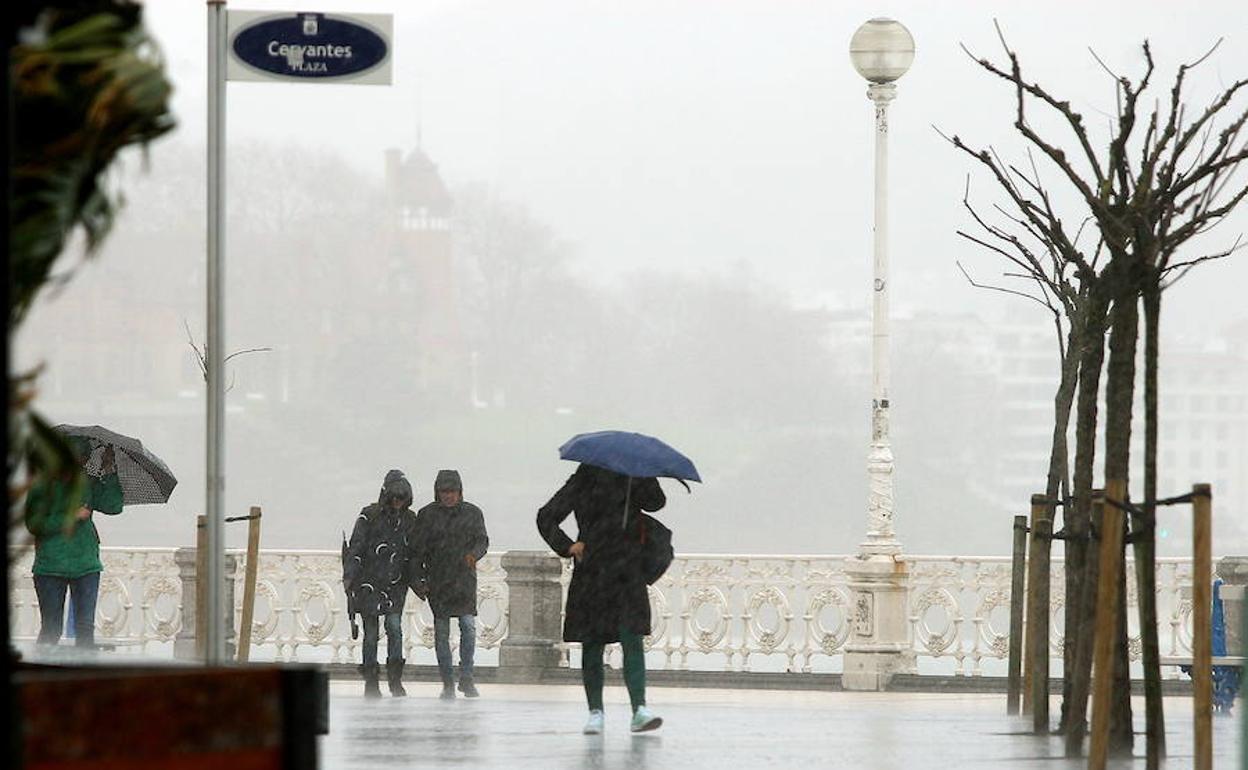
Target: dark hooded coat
444, 536
378, 568
608, 588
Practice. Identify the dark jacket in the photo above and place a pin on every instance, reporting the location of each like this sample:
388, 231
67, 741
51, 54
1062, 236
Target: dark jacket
444, 536
608, 589
378, 568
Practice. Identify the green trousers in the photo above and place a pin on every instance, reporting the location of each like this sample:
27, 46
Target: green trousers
634, 670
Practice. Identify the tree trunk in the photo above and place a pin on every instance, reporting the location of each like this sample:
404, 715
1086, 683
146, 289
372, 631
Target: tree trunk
1119, 395
1145, 534
1063, 400
1058, 481
1080, 560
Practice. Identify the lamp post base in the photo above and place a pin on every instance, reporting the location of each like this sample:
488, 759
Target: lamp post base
879, 643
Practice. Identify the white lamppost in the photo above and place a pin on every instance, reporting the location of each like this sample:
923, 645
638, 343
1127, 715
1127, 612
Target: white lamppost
881, 50
879, 644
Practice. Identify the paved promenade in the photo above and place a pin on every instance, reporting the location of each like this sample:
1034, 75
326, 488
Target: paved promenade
517, 726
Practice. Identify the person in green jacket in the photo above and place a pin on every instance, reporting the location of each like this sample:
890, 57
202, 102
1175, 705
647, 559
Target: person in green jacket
67, 553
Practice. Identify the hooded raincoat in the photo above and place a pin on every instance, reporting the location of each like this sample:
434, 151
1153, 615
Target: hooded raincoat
444, 536
378, 568
608, 588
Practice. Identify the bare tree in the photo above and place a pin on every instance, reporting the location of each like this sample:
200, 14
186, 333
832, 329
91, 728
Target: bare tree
201, 355
1053, 275
1162, 181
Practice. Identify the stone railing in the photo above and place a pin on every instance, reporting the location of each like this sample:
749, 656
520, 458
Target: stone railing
734, 612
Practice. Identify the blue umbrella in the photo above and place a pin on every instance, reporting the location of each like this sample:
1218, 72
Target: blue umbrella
630, 454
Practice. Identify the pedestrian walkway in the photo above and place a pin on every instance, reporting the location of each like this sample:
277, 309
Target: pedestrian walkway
518, 726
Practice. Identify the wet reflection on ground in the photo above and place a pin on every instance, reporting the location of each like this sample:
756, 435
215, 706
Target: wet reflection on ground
515, 726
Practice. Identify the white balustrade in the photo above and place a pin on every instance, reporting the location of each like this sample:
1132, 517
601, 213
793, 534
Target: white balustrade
727, 611
731, 612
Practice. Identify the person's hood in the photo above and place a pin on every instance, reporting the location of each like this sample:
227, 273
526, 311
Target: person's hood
447, 479
395, 485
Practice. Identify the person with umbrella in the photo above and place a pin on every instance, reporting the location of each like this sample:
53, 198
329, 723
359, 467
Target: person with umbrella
451, 539
119, 471
376, 573
618, 552
607, 598
67, 553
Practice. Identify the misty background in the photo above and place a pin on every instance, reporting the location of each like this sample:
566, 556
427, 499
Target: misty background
571, 216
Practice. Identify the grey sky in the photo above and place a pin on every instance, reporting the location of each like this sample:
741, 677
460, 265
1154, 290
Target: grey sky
706, 139
692, 135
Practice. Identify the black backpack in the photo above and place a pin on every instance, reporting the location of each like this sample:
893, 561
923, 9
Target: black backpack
656, 548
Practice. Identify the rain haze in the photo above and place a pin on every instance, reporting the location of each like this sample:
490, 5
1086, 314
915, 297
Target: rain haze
572, 216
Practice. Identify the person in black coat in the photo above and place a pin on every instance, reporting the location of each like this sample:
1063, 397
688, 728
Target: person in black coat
377, 572
451, 539
607, 598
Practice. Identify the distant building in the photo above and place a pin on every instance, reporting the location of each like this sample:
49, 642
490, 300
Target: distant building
1204, 433
1203, 414
1203, 421
1025, 363
420, 267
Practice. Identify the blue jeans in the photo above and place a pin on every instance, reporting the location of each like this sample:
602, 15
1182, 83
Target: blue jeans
83, 592
467, 645
394, 637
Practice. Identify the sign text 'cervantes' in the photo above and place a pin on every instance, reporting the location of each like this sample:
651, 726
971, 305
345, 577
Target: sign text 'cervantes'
309, 47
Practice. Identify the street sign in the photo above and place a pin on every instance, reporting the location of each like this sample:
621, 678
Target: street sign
309, 47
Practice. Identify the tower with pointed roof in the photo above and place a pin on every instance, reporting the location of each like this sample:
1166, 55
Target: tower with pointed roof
419, 208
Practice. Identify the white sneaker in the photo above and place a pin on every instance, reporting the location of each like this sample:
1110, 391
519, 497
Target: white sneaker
643, 720
593, 725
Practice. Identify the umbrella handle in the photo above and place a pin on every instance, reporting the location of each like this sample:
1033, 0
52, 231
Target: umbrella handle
628, 497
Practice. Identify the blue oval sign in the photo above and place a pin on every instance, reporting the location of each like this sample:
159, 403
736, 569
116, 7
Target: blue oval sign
309, 46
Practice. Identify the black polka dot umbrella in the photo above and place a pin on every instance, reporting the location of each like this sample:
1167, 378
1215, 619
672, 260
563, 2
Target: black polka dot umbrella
144, 477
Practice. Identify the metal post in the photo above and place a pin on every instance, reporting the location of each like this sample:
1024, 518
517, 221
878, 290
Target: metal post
880, 536
214, 633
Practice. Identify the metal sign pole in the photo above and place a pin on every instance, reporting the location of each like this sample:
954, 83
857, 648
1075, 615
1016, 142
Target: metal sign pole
214, 647
287, 46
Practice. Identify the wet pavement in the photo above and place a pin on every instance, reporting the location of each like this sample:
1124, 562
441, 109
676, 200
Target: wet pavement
518, 726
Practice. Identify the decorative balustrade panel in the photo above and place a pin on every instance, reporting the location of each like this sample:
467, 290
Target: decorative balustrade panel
139, 605
744, 612
732, 612
301, 610
960, 608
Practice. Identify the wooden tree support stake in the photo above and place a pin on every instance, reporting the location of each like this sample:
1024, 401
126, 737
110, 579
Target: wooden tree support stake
1038, 613
201, 583
1017, 583
1103, 632
249, 585
1202, 630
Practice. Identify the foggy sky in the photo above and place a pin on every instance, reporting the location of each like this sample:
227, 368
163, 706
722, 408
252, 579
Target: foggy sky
703, 141
694, 135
